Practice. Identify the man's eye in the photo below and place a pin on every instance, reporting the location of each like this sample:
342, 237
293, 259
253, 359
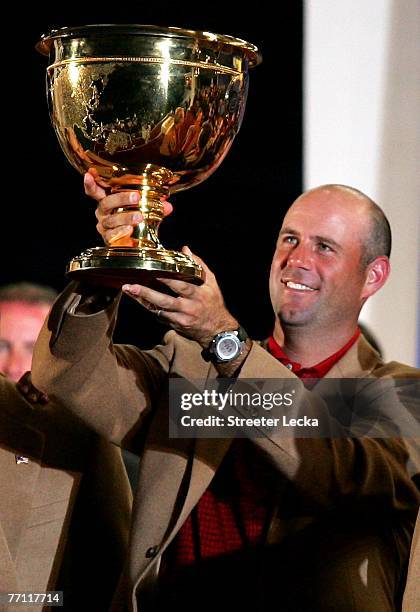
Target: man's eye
325, 248
290, 239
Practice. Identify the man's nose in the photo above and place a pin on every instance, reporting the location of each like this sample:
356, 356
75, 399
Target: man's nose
300, 256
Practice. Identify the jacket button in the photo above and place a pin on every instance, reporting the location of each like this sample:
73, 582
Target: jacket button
152, 552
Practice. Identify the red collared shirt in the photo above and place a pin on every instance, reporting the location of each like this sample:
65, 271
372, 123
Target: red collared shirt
317, 371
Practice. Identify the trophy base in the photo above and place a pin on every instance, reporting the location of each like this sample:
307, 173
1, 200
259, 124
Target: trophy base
113, 267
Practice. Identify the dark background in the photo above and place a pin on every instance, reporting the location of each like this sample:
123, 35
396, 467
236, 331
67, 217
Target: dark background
231, 220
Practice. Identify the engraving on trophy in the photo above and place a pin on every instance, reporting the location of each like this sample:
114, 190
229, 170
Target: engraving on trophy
146, 108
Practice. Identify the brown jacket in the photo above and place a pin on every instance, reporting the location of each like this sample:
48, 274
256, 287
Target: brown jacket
64, 504
122, 393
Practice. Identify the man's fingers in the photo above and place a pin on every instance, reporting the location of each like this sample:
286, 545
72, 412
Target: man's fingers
108, 203
179, 287
167, 208
124, 199
112, 225
187, 251
110, 236
150, 298
120, 219
92, 189
177, 320
97, 178
118, 200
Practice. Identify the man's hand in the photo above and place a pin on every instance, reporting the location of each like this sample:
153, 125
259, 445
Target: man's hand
197, 311
29, 392
113, 225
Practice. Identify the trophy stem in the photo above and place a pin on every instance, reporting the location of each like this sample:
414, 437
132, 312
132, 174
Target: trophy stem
145, 233
140, 257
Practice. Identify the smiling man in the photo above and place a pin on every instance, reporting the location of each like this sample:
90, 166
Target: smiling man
332, 255
270, 522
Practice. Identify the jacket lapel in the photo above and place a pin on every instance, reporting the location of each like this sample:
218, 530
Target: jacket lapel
359, 361
175, 472
8, 577
20, 451
164, 474
207, 454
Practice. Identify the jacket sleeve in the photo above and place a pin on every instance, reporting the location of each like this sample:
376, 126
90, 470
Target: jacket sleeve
111, 388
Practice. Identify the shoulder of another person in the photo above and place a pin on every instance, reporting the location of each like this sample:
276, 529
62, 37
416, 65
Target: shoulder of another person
17, 429
50, 419
12, 402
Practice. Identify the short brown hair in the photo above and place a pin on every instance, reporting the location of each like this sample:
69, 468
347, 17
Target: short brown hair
29, 293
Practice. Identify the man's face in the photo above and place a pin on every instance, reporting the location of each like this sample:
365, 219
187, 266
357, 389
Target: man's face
316, 279
20, 324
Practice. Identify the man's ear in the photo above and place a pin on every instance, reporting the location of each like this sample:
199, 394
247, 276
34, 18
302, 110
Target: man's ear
377, 273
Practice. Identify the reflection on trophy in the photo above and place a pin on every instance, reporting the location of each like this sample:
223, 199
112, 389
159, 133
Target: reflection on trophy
150, 109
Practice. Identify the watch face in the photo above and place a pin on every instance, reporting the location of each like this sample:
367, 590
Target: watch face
228, 347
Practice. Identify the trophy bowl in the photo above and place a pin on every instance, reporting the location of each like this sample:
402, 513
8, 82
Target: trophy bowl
144, 108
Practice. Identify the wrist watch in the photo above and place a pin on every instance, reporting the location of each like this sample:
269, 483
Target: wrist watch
225, 346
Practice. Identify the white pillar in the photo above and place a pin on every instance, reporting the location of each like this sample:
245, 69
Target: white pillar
361, 128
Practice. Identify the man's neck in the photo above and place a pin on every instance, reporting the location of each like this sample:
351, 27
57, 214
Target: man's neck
311, 346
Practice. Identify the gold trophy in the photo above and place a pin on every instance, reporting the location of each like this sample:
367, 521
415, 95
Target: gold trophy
150, 109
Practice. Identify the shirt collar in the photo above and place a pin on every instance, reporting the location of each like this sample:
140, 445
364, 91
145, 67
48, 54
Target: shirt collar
318, 370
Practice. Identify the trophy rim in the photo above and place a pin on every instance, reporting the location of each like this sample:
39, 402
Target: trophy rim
251, 51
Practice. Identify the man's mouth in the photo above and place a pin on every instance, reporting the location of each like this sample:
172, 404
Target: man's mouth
298, 286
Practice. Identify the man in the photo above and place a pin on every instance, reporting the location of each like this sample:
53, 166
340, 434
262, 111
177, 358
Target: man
64, 497
23, 308
272, 522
